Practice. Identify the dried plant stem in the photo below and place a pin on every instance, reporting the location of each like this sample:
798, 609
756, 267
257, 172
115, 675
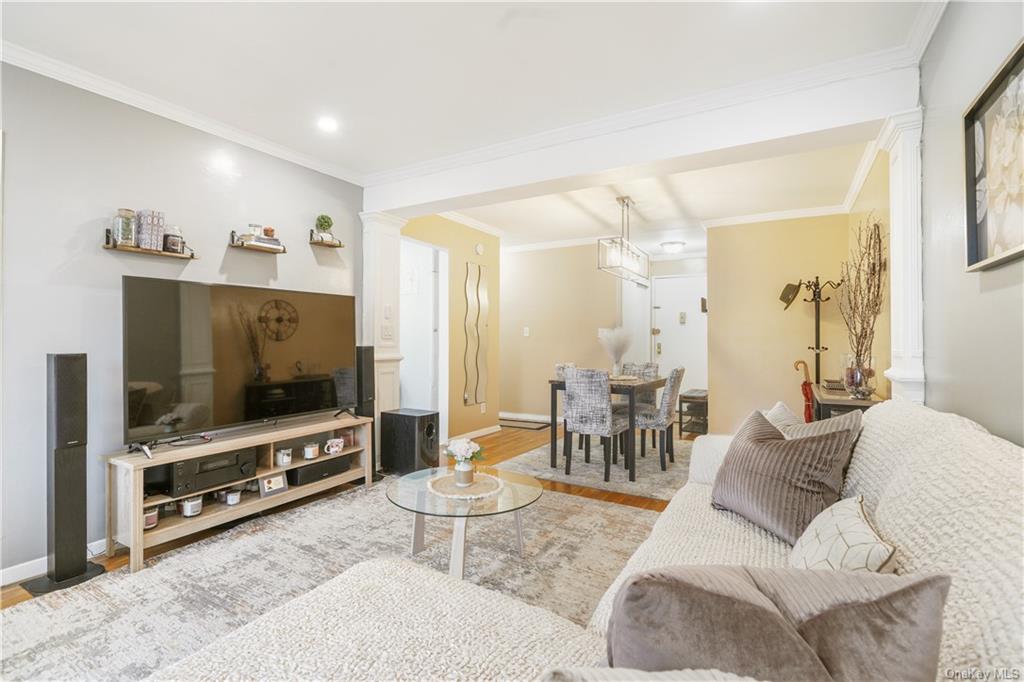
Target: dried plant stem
863, 291
255, 338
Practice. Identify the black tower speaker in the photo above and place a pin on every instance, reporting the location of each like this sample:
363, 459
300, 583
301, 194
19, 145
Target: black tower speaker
365, 391
66, 441
365, 395
408, 440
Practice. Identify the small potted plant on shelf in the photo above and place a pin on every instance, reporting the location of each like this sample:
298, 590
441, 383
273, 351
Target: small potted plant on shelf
464, 452
322, 234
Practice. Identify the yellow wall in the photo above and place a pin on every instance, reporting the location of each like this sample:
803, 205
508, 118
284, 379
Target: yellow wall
752, 341
564, 299
874, 200
461, 241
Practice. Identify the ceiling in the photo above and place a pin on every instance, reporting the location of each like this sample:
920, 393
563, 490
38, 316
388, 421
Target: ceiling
410, 83
677, 207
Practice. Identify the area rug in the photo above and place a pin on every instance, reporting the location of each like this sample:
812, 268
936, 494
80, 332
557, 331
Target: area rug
650, 481
126, 626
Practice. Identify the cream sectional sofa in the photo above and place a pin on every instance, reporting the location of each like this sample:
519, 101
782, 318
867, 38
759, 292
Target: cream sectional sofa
938, 486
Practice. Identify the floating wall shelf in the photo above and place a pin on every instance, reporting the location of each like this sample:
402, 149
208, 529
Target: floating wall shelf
237, 243
109, 245
329, 243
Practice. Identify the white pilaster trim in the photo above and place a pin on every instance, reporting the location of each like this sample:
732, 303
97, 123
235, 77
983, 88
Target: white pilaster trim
901, 137
382, 240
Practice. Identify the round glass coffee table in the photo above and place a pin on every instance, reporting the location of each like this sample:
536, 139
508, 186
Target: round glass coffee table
424, 493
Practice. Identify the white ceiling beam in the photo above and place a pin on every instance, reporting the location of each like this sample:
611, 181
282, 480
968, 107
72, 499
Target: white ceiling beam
836, 112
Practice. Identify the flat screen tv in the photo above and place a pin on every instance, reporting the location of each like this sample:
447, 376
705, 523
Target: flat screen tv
202, 357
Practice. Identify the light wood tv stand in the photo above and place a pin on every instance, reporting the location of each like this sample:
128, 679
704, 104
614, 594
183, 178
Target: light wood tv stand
125, 472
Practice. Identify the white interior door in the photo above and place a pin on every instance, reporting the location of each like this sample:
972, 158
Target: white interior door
682, 340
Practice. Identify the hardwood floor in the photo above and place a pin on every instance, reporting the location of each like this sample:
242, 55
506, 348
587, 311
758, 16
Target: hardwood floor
500, 446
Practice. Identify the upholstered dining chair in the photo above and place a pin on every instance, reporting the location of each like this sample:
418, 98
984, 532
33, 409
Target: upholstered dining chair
588, 412
662, 419
644, 399
560, 368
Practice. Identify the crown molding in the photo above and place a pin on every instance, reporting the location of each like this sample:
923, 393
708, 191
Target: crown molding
925, 23
789, 214
16, 55
560, 244
860, 175
480, 225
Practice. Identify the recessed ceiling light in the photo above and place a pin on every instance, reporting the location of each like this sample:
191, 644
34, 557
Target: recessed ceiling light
327, 124
672, 247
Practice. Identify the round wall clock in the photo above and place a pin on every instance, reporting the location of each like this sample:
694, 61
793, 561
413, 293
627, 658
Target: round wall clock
279, 318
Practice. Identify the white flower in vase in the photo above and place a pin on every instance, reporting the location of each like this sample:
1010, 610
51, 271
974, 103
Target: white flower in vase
615, 342
463, 451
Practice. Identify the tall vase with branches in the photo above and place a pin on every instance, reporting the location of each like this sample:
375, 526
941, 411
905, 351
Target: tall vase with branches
860, 302
255, 339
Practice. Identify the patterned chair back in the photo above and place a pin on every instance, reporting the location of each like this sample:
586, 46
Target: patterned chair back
561, 367
646, 371
588, 401
669, 394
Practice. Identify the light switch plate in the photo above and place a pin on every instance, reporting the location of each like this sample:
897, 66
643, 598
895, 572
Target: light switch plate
483, 408
387, 332
526, 331
682, 317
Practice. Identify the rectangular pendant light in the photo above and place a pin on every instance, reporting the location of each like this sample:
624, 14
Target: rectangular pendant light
619, 257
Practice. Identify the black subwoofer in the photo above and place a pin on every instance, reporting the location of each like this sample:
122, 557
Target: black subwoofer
317, 471
66, 444
408, 440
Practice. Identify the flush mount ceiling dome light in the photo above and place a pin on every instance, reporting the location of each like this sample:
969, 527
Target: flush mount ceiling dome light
672, 247
327, 124
619, 257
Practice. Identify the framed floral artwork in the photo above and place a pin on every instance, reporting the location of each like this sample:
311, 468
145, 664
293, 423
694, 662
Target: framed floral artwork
994, 161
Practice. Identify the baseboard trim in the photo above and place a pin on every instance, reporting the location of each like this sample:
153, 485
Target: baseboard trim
37, 567
526, 417
486, 431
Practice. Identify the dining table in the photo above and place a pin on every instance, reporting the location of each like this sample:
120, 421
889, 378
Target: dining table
627, 387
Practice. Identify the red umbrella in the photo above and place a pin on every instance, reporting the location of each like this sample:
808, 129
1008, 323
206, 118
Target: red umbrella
805, 388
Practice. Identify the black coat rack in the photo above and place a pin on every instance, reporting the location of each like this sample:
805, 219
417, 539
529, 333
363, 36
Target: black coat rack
816, 288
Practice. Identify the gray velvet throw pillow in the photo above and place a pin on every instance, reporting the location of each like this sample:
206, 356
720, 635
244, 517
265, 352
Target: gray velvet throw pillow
780, 623
777, 483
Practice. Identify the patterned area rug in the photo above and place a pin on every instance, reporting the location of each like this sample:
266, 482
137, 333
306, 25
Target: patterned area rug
650, 481
121, 625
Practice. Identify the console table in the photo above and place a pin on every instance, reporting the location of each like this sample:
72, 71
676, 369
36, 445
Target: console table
127, 502
833, 403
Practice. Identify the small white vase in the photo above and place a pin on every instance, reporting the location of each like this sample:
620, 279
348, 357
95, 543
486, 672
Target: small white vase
463, 474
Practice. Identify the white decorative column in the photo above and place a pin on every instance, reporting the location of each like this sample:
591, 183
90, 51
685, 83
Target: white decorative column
382, 234
901, 137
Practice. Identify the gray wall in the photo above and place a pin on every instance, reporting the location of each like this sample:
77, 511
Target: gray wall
973, 327
71, 159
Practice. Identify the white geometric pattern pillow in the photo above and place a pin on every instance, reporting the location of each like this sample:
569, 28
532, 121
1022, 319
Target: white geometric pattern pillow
841, 539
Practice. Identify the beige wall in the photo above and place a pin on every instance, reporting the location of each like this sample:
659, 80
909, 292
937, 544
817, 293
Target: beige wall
461, 241
752, 341
683, 266
564, 299
874, 200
